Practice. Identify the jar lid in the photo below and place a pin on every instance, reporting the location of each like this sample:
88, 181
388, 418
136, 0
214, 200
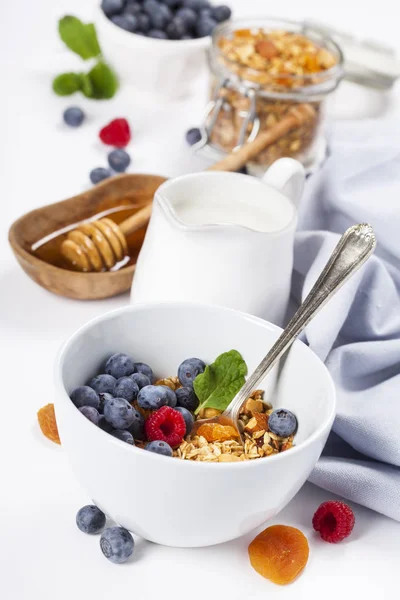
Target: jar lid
366, 62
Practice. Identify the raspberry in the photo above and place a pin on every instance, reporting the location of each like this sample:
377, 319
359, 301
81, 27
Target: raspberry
117, 133
334, 521
167, 425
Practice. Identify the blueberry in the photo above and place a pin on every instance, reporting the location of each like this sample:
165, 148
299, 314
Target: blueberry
112, 7
103, 384
103, 397
90, 519
282, 422
189, 369
152, 397
188, 16
193, 136
105, 425
143, 23
145, 369
133, 8
172, 3
206, 13
140, 379
160, 15
117, 544
123, 435
171, 396
151, 6
176, 29
186, 398
189, 419
73, 116
119, 160
157, 34
137, 427
205, 27
187, 37
221, 13
90, 413
120, 365
196, 5
127, 21
85, 396
98, 174
126, 388
159, 447
119, 413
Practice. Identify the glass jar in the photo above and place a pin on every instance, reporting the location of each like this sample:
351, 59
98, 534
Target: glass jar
260, 69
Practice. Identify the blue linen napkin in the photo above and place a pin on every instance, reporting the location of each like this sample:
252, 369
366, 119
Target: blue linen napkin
357, 334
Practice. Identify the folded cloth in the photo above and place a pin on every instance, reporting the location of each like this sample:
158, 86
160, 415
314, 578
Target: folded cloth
357, 334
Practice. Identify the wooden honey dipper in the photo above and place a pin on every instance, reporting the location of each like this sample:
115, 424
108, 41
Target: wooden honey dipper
99, 245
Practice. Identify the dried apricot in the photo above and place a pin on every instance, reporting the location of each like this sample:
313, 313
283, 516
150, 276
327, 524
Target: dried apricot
266, 49
279, 553
213, 432
48, 424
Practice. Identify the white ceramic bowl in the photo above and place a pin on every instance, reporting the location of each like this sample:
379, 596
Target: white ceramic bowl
163, 68
176, 502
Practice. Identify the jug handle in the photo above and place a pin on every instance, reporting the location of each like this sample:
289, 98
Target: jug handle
288, 177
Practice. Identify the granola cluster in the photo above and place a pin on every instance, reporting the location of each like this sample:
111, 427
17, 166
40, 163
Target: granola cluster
253, 424
278, 62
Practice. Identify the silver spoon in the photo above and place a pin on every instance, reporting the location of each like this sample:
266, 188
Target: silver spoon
355, 246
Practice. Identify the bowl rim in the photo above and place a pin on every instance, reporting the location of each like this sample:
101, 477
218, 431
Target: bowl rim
131, 39
62, 392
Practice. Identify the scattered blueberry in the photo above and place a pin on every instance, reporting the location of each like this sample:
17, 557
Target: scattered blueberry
103, 384
123, 435
90, 413
85, 396
137, 426
90, 519
157, 34
119, 413
119, 160
187, 398
188, 16
193, 136
171, 396
140, 379
73, 116
221, 13
126, 388
282, 422
132, 8
127, 21
98, 174
189, 419
159, 447
205, 27
117, 544
120, 365
189, 369
105, 425
176, 29
103, 397
112, 7
143, 23
145, 369
152, 397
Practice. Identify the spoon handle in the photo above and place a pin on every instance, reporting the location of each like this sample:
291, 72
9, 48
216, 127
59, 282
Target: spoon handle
354, 248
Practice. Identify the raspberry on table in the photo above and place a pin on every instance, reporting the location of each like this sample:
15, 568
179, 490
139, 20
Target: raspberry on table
116, 133
334, 521
166, 425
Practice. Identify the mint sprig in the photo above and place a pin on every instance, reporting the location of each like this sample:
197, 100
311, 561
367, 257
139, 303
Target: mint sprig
220, 382
100, 82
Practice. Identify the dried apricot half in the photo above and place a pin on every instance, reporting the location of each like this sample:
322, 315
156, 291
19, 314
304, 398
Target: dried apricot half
213, 432
48, 424
279, 553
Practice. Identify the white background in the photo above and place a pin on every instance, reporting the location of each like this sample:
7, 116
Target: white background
42, 554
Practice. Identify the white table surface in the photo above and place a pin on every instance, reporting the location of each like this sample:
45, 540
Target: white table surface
42, 554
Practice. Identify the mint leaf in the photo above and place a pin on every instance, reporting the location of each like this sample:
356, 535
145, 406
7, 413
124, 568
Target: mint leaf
103, 80
66, 84
81, 38
221, 381
86, 85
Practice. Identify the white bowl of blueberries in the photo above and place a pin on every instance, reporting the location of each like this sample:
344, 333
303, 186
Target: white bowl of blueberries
159, 46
